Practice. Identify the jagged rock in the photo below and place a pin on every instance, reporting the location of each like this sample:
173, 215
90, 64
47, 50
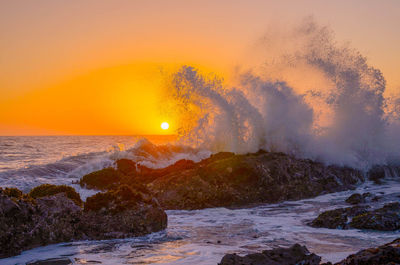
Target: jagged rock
226, 179
235, 180
280, 256
27, 222
383, 255
337, 218
386, 218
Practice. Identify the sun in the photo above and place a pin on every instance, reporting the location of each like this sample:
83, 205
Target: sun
164, 125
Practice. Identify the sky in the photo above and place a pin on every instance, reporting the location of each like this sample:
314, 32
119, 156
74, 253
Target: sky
96, 67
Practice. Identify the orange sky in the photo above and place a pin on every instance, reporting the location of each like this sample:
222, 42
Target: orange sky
93, 67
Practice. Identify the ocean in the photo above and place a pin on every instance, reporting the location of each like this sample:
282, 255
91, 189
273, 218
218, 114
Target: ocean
192, 237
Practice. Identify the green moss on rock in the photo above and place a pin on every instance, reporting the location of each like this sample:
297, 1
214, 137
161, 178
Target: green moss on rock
50, 189
114, 201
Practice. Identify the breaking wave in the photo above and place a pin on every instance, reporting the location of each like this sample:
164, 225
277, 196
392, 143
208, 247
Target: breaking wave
312, 97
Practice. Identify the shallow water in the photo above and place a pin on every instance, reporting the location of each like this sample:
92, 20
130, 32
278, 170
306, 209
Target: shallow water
202, 236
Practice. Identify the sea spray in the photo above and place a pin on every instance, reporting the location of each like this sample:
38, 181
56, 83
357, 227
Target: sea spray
342, 119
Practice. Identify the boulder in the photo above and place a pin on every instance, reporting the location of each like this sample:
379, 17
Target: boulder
280, 256
383, 255
337, 218
27, 222
357, 198
386, 218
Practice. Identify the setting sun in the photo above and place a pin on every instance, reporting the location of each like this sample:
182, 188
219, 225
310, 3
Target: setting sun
164, 125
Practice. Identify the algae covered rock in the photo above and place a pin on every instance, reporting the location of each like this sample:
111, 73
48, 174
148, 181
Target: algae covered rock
50, 189
386, 218
337, 218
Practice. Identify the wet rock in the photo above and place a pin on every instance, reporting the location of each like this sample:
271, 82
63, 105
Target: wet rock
280, 256
376, 174
383, 255
49, 190
338, 218
28, 222
386, 218
104, 179
236, 180
355, 198
61, 261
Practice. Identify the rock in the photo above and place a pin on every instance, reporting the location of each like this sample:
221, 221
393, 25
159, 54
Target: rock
49, 190
280, 256
386, 218
61, 261
376, 174
235, 180
227, 180
383, 255
355, 198
337, 218
28, 222
104, 179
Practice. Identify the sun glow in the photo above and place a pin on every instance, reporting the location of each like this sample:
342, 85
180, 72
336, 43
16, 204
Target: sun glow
164, 125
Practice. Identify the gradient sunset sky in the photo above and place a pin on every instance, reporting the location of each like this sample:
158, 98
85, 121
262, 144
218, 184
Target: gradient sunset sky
95, 66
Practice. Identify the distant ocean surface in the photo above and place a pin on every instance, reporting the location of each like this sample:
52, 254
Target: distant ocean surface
27, 161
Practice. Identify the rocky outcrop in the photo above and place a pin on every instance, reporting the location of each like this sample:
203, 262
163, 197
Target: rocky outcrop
382, 255
338, 218
280, 256
226, 179
52, 217
386, 218
237, 180
358, 198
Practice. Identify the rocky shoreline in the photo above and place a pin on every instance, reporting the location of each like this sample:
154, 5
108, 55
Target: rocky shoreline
228, 180
132, 199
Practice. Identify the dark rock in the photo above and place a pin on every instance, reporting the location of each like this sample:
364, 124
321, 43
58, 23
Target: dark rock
376, 174
386, 218
356, 198
280, 256
383, 255
126, 166
61, 261
338, 218
106, 178
31, 222
235, 180
49, 190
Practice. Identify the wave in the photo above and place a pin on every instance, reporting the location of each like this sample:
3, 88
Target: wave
72, 168
312, 97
